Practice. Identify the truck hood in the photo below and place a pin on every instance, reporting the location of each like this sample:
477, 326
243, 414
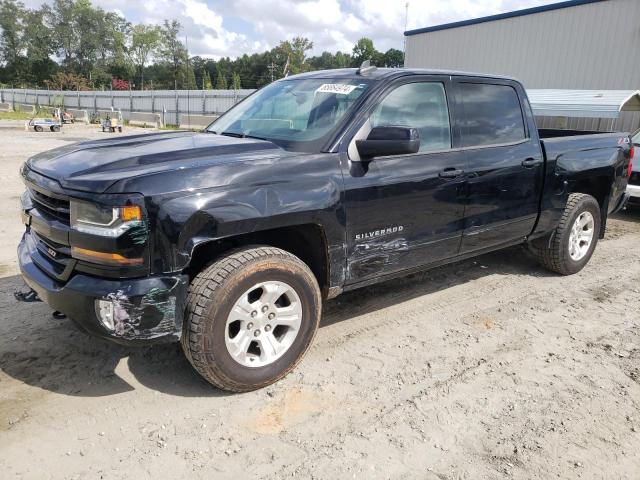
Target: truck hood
94, 166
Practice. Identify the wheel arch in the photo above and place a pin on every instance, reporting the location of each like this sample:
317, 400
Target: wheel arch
306, 241
599, 187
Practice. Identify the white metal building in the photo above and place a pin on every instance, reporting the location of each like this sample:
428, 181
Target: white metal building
576, 45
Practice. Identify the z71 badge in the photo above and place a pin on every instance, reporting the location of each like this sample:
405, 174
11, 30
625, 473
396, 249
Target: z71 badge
379, 233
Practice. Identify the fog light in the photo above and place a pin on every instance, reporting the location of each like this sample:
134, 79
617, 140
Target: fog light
105, 310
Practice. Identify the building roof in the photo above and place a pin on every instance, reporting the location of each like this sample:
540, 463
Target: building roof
583, 103
501, 16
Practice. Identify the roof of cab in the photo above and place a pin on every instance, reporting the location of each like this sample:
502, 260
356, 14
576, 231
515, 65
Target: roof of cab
382, 73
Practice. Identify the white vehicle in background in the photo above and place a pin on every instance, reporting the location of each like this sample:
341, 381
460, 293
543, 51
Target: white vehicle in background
633, 188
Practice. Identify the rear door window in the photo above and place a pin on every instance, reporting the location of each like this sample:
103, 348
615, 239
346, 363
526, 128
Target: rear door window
492, 115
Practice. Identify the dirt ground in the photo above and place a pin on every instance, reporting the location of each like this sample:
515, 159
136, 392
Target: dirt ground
490, 368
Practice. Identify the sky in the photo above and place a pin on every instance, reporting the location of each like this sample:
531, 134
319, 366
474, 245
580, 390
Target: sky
220, 28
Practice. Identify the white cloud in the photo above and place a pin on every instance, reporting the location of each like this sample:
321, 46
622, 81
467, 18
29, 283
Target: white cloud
331, 24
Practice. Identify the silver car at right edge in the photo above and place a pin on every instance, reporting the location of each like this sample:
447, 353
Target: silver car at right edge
633, 187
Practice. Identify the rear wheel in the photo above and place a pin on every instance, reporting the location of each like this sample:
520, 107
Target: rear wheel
570, 247
251, 317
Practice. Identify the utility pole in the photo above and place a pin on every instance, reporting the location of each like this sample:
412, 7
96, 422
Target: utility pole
406, 23
272, 68
186, 43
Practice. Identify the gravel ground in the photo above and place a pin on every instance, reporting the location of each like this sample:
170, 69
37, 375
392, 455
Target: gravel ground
490, 368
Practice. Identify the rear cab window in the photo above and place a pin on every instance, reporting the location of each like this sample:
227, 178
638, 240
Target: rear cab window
492, 115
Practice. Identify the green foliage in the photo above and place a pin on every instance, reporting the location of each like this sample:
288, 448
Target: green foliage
363, 50
221, 81
191, 78
236, 83
145, 39
75, 44
293, 54
172, 52
68, 81
206, 81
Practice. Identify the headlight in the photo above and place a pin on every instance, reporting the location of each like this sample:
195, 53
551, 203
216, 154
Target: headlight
104, 221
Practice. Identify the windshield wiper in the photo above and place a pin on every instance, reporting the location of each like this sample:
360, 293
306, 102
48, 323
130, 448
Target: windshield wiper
241, 135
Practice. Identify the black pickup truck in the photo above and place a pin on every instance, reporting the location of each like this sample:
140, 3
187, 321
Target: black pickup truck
231, 238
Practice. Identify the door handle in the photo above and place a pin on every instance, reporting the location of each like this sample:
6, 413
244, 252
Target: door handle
450, 172
531, 162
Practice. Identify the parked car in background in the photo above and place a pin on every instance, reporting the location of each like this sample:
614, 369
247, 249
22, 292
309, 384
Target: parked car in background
633, 189
230, 239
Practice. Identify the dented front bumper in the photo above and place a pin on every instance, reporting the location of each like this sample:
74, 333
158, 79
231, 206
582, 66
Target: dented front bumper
146, 310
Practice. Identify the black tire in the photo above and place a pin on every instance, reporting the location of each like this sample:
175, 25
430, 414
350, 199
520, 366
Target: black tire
120, 129
37, 128
553, 251
212, 295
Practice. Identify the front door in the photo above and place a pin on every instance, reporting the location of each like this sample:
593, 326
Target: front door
405, 211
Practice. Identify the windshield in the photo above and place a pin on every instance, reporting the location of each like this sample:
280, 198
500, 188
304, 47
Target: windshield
295, 114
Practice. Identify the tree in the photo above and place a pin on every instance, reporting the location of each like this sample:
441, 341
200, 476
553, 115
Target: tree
206, 81
68, 81
221, 81
292, 55
11, 45
76, 37
393, 58
145, 39
363, 50
190, 78
236, 82
172, 51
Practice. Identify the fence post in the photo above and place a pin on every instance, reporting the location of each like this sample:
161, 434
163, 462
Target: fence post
177, 108
153, 101
204, 99
130, 100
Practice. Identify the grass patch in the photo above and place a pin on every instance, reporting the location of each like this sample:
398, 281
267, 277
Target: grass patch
15, 116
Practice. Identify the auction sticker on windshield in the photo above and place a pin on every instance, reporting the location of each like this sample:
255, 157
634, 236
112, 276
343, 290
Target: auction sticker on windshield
336, 88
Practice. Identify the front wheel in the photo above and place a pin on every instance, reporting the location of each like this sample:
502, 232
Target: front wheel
570, 246
250, 318
38, 128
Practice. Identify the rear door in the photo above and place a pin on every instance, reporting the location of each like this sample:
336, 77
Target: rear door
505, 164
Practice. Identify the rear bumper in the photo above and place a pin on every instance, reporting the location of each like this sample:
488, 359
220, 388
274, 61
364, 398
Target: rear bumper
150, 310
634, 193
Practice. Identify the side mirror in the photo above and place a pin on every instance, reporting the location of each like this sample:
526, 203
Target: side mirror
386, 141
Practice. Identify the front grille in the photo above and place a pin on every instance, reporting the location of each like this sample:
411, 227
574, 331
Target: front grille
51, 206
634, 179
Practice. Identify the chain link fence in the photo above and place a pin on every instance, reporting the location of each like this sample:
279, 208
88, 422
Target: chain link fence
171, 104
